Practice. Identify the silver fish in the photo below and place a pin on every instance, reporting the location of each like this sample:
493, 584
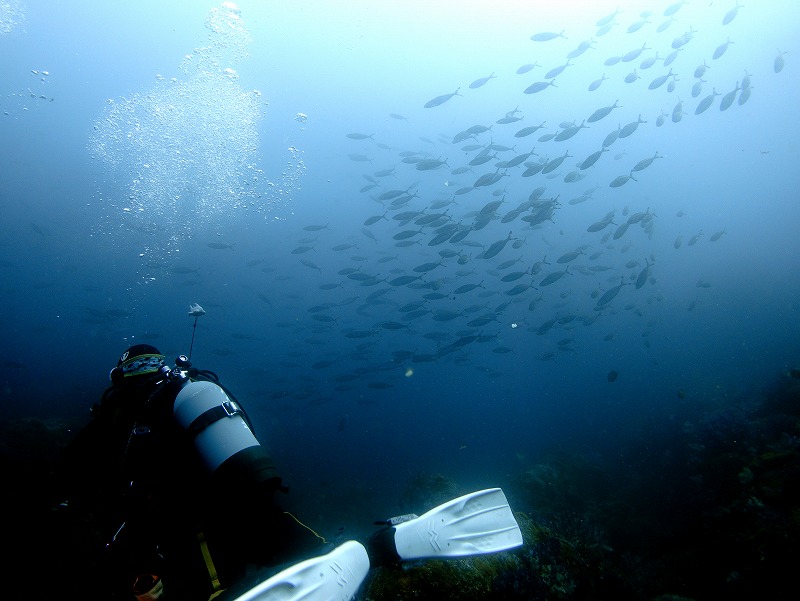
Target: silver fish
482, 81
441, 99
592, 159
597, 82
546, 36
538, 86
728, 99
706, 102
721, 49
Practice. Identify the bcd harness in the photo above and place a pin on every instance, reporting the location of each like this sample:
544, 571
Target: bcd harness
227, 409
208, 417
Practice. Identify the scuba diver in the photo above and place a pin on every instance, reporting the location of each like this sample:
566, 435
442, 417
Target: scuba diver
183, 500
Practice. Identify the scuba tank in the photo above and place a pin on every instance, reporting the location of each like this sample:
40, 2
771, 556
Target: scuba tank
221, 431
214, 421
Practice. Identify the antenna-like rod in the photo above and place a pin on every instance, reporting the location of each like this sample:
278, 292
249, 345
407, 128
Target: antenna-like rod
195, 311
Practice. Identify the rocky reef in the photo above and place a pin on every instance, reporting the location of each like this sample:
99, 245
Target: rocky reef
705, 506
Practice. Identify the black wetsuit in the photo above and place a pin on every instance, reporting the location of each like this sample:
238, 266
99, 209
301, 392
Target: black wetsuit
139, 498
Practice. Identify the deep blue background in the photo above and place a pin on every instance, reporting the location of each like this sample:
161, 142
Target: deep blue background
82, 278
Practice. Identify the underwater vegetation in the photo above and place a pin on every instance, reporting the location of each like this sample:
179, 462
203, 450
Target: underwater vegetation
561, 560
425, 490
703, 506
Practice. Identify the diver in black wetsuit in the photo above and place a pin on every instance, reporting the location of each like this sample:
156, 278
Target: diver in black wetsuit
167, 494
172, 479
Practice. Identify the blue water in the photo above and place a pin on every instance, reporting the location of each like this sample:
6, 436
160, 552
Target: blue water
115, 183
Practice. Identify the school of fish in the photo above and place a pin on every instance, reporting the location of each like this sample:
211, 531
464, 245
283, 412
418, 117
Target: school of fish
433, 272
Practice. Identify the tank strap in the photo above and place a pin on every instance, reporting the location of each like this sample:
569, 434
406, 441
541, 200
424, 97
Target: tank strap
212, 570
209, 416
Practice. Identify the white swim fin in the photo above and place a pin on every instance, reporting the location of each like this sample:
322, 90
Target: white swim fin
335, 576
477, 523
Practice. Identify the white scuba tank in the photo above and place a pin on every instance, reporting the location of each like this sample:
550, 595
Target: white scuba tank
215, 421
